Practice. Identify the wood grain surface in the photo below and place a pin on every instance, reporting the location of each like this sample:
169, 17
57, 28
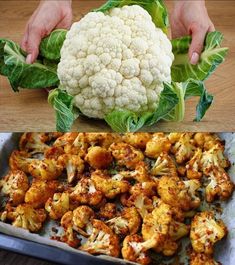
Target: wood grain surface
29, 110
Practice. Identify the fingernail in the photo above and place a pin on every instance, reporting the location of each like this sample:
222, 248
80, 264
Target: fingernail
29, 59
195, 58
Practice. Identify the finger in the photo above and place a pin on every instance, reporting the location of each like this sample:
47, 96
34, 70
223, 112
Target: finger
196, 47
24, 41
32, 43
211, 28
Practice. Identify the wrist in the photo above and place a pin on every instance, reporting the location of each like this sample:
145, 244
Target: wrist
178, 3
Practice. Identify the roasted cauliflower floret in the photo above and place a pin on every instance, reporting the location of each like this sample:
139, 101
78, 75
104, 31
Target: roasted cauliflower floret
140, 174
78, 147
34, 142
109, 186
70, 235
202, 259
98, 157
138, 140
20, 160
79, 219
108, 211
194, 165
205, 232
220, 185
161, 223
179, 193
142, 203
102, 240
126, 155
206, 140
65, 139
128, 222
39, 192
15, 184
147, 188
53, 152
25, 216
73, 164
46, 169
183, 149
158, 144
135, 249
102, 139
58, 205
214, 157
164, 165
157, 222
85, 192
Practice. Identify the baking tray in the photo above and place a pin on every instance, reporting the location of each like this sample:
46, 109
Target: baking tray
21, 241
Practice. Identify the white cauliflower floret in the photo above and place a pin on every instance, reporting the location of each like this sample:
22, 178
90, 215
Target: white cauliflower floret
117, 60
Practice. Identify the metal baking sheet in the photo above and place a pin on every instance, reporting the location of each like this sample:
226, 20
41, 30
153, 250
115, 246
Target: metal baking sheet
22, 241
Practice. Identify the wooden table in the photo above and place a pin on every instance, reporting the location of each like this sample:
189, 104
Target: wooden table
29, 110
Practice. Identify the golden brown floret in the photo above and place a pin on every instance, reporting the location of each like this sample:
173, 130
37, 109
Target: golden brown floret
70, 235
138, 140
214, 157
79, 220
20, 160
148, 188
78, 147
58, 205
127, 222
158, 144
98, 157
193, 166
85, 192
102, 240
109, 186
142, 203
46, 169
140, 173
135, 249
206, 140
126, 155
164, 165
206, 231
102, 139
65, 139
25, 216
220, 185
15, 184
39, 192
179, 193
202, 259
53, 152
108, 211
34, 142
73, 164
183, 149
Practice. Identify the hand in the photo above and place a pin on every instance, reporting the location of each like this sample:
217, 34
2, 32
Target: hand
48, 16
191, 18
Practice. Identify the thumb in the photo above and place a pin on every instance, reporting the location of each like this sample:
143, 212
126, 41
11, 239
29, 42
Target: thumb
196, 47
32, 43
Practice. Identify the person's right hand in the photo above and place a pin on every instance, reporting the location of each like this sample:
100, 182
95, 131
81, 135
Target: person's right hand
48, 16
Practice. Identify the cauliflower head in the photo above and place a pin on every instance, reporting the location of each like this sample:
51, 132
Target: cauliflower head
113, 61
202, 259
205, 232
15, 184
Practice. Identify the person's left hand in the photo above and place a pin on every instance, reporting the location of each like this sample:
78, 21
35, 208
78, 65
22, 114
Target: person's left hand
191, 18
